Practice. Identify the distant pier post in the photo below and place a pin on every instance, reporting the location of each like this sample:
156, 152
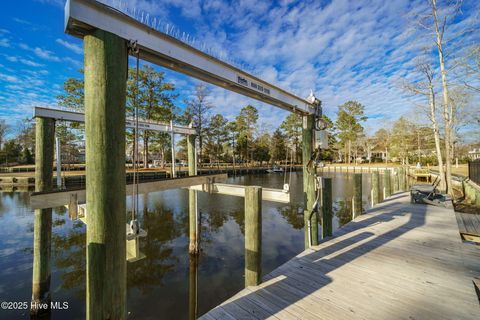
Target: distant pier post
402, 179
253, 235
375, 182
42, 233
357, 194
327, 209
193, 247
387, 188
309, 181
396, 176
106, 63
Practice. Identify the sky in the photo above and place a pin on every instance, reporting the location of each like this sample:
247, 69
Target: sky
342, 50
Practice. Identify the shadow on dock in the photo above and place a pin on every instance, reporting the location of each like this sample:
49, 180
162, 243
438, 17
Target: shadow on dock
301, 278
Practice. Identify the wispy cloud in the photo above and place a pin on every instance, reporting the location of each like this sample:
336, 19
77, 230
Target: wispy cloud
24, 61
77, 64
71, 46
4, 42
46, 54
41, 53
8, 78
29, 25
57, 3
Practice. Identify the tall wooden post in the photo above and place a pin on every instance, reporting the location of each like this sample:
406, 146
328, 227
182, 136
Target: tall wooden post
192, 165
253, 235
42, 233
105, 92
375, 188
309, 181
193, 247
58, 165
327, 207
357, 194
387, 188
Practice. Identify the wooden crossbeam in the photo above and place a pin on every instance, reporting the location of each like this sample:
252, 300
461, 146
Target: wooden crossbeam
76, 116
52, 199
268, 194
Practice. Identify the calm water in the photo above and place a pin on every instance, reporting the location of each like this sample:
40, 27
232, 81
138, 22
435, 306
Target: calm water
163, 283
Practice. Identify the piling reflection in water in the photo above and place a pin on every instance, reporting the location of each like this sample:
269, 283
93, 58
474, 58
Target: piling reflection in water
192, 287
168, 281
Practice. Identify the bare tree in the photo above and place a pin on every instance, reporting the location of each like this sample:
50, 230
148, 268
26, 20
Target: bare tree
436, 20
198, 112
426, 88
448, 108
470, 68
4, 127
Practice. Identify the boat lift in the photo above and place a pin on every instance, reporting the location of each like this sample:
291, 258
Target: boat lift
117, 31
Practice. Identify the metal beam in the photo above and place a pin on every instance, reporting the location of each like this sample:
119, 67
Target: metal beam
42, 200
268, 194
83, 16
75, 116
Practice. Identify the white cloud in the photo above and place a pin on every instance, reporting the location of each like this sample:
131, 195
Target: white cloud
46, 54
4, 42
71, 46
57, 3
77, 64
8, 78
41, 53
27, 62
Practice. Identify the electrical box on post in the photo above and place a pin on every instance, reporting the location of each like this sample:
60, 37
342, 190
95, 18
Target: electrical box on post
321, 139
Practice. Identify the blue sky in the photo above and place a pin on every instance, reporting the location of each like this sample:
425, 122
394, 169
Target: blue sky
344, 50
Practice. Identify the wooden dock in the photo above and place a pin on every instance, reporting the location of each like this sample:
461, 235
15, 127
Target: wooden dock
398, 261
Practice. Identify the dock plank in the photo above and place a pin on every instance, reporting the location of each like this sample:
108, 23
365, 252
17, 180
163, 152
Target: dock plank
398, 261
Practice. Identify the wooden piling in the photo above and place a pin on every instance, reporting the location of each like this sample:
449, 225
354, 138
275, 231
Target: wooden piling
402, 179
327, 208
375, 187
395, 179
309, 181
253, 235
193, 247
105, 91
192, 165
357, 194
42, 233
387, 188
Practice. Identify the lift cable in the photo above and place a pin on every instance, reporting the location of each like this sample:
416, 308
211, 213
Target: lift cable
134, 227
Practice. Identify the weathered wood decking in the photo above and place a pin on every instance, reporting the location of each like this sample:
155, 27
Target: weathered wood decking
398, 261
469, 226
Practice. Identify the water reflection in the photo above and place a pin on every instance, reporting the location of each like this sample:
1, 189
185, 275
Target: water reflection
168, 282
192, 287
148, 273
